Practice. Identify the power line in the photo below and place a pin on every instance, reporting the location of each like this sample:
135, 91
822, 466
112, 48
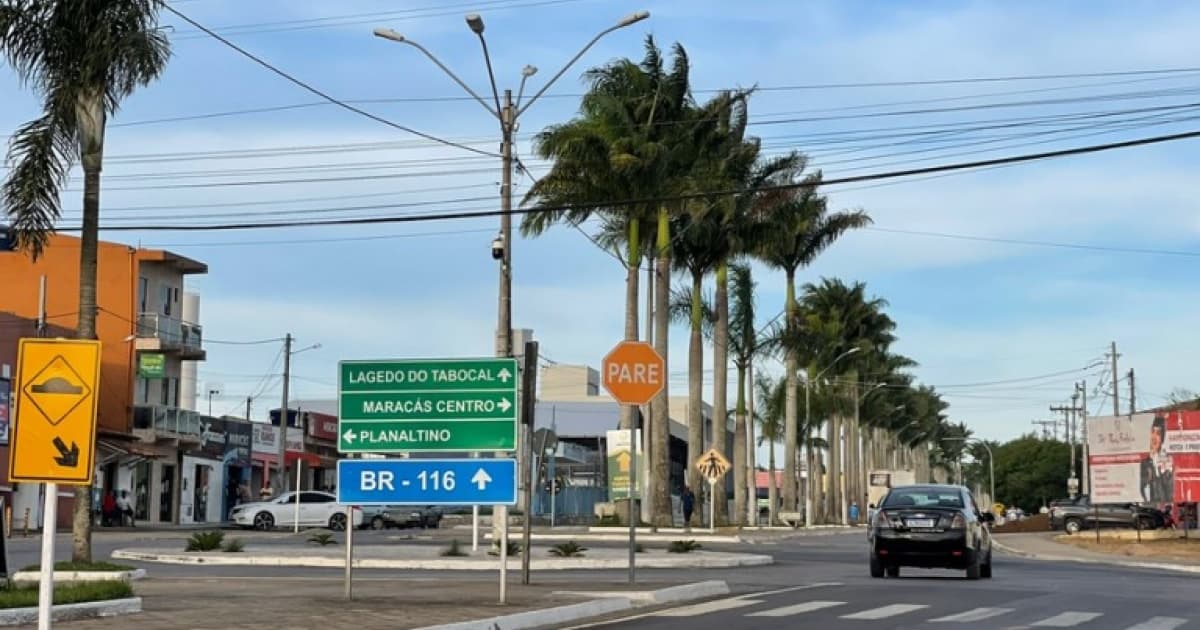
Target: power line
670, 198
320, 93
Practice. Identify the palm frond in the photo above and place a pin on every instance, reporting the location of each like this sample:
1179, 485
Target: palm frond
40, 153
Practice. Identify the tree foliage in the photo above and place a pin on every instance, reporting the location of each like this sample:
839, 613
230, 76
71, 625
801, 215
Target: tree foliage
1031, 471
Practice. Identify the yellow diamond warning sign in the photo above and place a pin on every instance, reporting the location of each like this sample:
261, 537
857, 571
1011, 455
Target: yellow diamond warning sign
54, 429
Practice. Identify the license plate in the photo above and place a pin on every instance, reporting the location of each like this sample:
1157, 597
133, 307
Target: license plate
919, 522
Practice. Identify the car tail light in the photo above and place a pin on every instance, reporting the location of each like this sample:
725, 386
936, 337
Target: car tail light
959, 522
882, 521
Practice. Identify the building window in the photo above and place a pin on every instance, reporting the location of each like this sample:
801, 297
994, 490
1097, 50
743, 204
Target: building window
142, 390
143, 294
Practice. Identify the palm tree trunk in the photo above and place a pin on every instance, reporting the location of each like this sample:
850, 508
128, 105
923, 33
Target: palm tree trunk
789, 413
81, 522
834, 438
695, 386
632, 267
660, 420
751, 481
721, 386
772, 487
740, 456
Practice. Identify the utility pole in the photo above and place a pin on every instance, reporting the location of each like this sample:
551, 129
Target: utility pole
248, 401
1046, 426
280, 483
1116, 394
1132, 394
1085, 478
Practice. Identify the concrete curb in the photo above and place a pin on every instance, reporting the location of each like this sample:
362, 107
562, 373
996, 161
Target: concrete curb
1161, 566
32, 577
71, 612
693, 560
647, 537
608, 603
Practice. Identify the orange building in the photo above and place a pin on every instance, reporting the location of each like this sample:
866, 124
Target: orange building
145, 342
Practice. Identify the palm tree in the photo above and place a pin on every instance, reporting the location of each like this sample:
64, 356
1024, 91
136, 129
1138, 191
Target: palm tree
84, 58
771, 395
743, 345
797, 230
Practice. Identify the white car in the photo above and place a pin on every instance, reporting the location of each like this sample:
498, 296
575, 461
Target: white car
319, 509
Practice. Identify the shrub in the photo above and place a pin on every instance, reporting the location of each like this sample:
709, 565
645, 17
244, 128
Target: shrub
513, 549
205, 541
639, 548
69, 565
233, 545
569, 549
27, 596
454, 550
683, 546
323, 539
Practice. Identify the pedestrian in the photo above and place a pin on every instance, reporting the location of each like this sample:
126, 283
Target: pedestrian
108, 508
854, 513
125, 508
689, 504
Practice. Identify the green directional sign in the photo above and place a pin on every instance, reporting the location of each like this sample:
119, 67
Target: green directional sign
427, 405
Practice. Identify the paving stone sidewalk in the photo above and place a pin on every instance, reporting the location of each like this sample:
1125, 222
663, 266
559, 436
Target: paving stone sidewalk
302, 603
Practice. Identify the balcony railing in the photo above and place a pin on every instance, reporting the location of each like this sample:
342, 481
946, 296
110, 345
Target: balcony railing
170, 330
164, 419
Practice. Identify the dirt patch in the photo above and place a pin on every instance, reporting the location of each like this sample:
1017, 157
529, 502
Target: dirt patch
1037, 523
1176, 549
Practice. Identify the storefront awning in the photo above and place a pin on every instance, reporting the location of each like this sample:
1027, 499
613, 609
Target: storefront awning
308, 458
109, 450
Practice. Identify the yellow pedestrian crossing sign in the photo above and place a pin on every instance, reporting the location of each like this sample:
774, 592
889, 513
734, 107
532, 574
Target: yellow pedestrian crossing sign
712, 465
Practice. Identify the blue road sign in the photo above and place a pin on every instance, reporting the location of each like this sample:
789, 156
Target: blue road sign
427, 481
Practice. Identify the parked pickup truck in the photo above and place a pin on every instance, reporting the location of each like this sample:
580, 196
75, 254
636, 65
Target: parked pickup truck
1074, 515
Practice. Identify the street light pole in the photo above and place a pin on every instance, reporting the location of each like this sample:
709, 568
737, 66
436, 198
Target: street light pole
808, 486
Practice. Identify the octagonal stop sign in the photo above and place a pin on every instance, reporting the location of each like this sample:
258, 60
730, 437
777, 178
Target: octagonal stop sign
633, 372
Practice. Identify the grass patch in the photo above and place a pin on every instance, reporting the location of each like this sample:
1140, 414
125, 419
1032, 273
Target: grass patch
205, 541
454, 550
683, 546
68, 565
233, 545
27, 597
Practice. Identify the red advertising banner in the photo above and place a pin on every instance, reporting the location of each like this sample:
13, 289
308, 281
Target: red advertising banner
322, 426
1145, 458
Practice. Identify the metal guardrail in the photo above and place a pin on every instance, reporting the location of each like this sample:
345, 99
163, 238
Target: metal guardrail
170, 330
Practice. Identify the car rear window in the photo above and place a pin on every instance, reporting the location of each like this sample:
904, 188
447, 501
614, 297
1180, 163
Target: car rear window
923, 498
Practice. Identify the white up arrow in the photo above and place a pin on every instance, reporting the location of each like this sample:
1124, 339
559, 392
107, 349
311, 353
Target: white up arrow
504, 374
504, 405
349, 436
481, 479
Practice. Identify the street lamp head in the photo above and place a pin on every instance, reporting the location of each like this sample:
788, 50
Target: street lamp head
387, 33
475, 22
633, 18
528, 71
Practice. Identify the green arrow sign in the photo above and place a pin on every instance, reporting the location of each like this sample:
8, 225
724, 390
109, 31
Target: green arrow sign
427, 405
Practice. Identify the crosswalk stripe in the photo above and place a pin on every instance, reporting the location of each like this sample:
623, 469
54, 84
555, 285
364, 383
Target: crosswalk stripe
1160, 623
788, 611
1066, 620
977, 614
885, 611
708, 607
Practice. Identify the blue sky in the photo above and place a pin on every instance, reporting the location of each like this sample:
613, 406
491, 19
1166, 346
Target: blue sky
969, 311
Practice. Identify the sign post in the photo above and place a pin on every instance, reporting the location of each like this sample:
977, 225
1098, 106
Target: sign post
54, 432
634, 374
712, 466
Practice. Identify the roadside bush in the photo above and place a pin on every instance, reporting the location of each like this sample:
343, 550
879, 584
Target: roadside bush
569, 549
233, 545
454, 550
683, 546
27, 596
512, 549
323, 539
205, 541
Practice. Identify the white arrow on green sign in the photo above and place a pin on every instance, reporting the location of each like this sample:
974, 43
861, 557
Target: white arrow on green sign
427, 405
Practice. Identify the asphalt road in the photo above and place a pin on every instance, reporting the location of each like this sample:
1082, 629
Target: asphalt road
823, 583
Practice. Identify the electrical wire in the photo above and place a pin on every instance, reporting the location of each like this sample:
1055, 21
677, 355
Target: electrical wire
320, 93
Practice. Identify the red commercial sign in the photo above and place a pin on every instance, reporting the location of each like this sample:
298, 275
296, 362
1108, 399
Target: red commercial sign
633, 372
322, 426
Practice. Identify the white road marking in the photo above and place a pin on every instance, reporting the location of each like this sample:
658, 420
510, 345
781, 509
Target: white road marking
884, 612
708, 607
978, 614
1160, 623
1066, 620
797, 609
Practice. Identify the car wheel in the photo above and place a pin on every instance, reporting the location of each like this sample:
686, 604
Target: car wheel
876, 567
893, 572
1145, 522
376, 523
264, 521
974, 569
337, 522
985, 571
1073, 525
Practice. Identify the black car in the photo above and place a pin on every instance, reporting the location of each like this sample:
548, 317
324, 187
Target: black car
932, 527
1077, 514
